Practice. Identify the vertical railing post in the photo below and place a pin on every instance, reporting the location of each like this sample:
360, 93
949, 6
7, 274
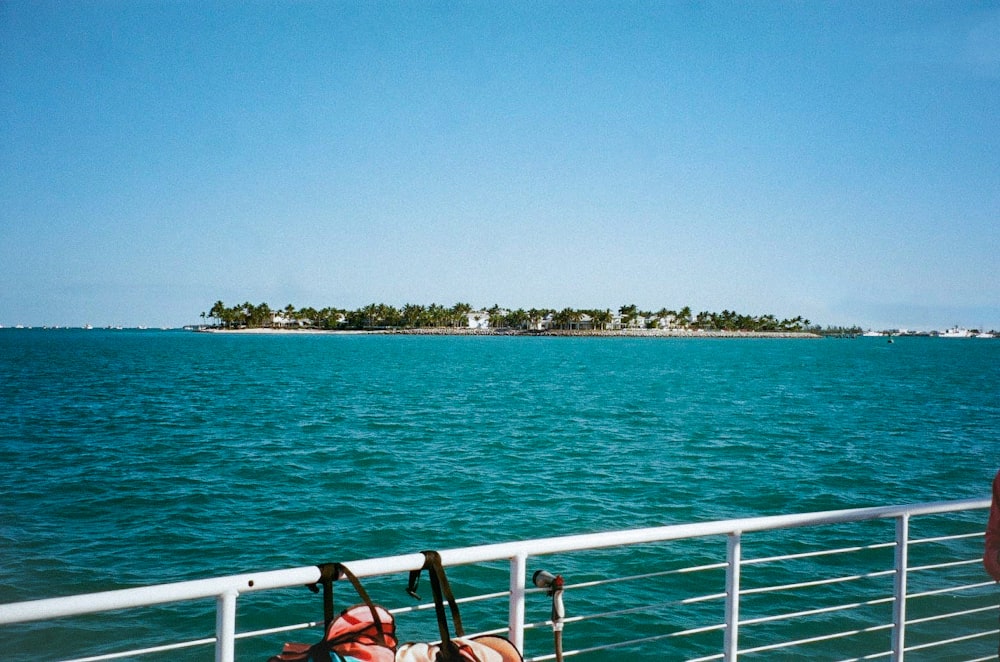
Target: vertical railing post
515, 613
225, 627
899, 587
733, 555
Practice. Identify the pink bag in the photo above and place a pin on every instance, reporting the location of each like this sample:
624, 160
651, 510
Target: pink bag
365, 632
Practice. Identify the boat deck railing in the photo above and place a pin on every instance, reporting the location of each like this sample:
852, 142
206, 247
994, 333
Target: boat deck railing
859, 584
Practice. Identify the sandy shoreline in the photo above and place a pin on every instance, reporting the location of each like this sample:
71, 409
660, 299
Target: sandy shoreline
618, 333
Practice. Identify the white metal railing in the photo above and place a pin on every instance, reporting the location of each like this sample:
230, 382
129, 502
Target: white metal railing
731, 593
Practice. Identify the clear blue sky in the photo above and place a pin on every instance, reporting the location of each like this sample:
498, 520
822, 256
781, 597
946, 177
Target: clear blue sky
835, 160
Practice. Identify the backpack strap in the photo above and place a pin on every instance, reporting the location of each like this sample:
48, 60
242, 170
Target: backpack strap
343, 570
436, 570
442, 591
328, 574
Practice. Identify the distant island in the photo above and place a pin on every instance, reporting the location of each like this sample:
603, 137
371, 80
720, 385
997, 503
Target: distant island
463, 318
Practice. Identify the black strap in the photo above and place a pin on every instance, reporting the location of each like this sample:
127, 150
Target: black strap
363, 594
328, 574
442, 591
437, 568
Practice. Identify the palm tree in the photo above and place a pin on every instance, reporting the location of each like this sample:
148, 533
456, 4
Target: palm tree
391, 317
601, 318
262, 315
437, 316
288, 313
235, 315
355, 319
495, 315
518, 319
459, 314
328, 318
246, 313
628, 313
308, 315
217, 311
370, 315
413, 316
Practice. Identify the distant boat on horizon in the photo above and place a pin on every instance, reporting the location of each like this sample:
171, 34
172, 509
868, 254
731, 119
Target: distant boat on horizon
956, 332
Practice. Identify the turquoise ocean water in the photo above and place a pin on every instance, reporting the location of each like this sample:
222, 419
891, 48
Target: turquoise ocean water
139, 457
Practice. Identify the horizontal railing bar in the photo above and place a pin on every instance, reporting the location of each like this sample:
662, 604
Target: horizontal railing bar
814, 612
424, 606
949, 564
278, 630
812, 640
815, 582
483, 597
941, 617
567, 620
475, 598
580, 618
707, 658
541, 624
952, 589
955, 640
703, 598
146, 651
630, 610
701, 630
245, 583
631, 642
870, 656
148, 596
630, 578
700, 568
822, 552
957, 536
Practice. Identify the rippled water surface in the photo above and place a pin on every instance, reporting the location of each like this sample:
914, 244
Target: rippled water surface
132, 458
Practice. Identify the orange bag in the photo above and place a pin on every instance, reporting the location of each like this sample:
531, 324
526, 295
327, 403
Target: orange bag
364, 632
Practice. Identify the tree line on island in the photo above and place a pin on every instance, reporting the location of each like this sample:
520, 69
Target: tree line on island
380, 316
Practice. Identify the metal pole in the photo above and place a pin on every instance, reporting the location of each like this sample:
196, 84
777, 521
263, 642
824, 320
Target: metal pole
515, 617
225, 627
733, 555
558, 616
899, 587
